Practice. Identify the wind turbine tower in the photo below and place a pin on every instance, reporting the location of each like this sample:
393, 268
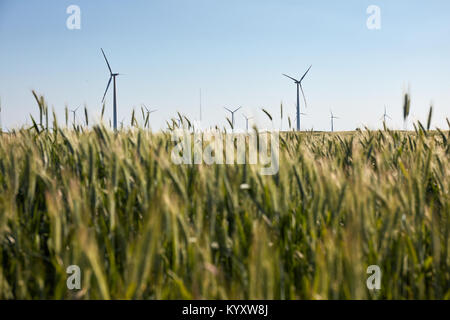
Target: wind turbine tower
385, 115
299, 87
112, 77
332, 120
246, 121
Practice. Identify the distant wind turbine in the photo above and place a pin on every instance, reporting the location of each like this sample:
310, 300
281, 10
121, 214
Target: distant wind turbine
112, 77
74, 111
232, 115
299, 87
332, 120
149, 112
246, 120
385, 115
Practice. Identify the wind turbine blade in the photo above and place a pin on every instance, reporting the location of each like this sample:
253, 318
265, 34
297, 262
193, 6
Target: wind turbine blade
306, 73
107, 87
109, 67
290, 77
304, 98
103, 110
388, 117
228, 109
237, 109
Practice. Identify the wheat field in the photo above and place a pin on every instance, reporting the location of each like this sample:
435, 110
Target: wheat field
141, 227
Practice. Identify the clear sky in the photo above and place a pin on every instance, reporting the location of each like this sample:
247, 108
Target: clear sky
235, 51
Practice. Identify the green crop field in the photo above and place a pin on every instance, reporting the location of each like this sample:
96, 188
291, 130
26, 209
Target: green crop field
141, 227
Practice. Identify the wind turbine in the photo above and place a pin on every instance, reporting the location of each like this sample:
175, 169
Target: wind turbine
232, 114
149, 112
385, 115
332, 120
74, 111
299, 87
246, 120
112, 77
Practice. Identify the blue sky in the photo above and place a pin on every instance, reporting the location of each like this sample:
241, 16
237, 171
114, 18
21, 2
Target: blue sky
235, 51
